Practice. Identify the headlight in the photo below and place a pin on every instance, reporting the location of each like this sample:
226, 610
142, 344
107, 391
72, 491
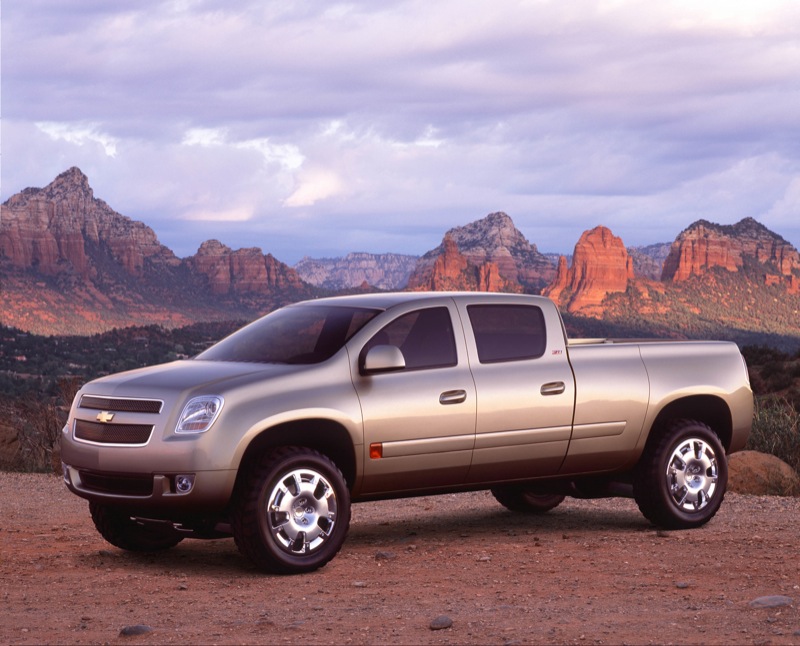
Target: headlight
199, 414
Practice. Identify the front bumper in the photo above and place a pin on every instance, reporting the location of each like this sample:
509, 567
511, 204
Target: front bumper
154, 494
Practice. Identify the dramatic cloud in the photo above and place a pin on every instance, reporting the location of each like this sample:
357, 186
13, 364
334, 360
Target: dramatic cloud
319, 128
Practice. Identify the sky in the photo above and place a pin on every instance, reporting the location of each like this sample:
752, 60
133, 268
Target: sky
318, 128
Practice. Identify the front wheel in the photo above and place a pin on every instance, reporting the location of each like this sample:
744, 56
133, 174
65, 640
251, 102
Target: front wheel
123, 531
294, 511
681, 479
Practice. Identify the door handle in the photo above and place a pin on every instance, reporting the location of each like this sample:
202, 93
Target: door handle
453, 397
553, 388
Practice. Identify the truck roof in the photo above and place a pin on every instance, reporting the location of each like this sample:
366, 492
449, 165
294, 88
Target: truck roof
390, 299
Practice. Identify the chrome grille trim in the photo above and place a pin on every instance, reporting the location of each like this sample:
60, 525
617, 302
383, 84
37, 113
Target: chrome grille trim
121, 404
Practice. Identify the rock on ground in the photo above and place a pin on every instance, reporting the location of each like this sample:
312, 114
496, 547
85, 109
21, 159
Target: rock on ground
761, 474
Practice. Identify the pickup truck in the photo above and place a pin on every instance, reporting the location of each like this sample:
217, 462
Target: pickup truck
270, 434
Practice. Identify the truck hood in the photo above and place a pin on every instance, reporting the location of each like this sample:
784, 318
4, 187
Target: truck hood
184, 376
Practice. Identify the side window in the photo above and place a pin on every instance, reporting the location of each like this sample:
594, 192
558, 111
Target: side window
507, 332
425, 337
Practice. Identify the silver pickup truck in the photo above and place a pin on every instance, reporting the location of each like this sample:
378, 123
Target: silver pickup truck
270, 434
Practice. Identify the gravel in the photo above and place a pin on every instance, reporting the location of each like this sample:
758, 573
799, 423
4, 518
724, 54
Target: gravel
451, 569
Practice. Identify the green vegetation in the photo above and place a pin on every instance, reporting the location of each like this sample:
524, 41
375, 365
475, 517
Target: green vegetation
36, 364
775, 379
40, 375
776, 429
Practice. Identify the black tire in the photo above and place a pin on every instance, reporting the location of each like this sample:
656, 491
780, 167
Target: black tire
526, 499
681, 479
293, 513
119, 529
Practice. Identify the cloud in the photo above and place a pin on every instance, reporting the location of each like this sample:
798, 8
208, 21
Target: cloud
237, 214
314, 185
784, 214
79, 134
307, 128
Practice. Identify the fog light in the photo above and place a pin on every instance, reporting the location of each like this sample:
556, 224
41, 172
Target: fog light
65, 470
184, 483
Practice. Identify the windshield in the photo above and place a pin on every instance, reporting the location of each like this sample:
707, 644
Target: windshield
295, 335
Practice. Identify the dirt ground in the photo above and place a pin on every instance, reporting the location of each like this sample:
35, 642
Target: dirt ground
588, 572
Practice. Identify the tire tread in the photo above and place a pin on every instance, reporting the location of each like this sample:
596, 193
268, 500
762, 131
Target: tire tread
246, 532
650, 489
119, 529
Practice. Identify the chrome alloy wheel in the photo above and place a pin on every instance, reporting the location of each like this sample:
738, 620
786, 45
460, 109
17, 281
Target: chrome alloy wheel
692, 474
301, 511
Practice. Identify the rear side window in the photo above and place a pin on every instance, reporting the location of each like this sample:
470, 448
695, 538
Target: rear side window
507, 332
425, 337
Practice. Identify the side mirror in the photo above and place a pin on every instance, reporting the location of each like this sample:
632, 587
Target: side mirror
383, 358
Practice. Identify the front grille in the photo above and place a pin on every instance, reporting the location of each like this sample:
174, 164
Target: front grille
112, 433
121, 405
118, 484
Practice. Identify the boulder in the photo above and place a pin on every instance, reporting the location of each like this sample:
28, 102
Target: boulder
761, 474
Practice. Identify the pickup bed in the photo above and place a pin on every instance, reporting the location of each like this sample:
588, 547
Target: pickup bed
270, 434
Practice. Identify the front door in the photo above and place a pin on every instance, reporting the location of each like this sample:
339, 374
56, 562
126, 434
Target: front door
419, 422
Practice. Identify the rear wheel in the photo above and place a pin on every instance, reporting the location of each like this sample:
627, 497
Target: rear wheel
121, 530
526, 499
681, 479
294, 511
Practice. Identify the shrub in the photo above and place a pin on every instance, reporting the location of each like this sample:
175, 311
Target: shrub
37, 423
776, 430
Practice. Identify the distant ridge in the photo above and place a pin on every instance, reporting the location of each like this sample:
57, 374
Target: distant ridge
387, 271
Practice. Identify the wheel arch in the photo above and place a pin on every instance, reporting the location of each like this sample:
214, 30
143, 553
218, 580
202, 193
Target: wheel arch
324, 435
710, 410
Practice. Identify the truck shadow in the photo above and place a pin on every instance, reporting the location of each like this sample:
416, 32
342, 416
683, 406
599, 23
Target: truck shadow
432, 524
394, 525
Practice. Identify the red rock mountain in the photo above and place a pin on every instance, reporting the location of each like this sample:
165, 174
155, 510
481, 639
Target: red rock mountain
705, 245
498, 258
736, 282
600, 266
242, 271
63, 227
71, 264
453, 271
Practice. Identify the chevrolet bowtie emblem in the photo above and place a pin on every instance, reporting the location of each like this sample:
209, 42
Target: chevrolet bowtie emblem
105, 417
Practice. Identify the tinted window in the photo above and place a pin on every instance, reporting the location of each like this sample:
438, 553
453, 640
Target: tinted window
507, 332
425, 337
307, 334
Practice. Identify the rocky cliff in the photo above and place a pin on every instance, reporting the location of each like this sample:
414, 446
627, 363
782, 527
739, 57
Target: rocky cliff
493, 243
244, 271
63, 227
600, 266
705, 245
387, 271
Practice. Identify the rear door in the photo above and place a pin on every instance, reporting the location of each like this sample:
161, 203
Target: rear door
524, 384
